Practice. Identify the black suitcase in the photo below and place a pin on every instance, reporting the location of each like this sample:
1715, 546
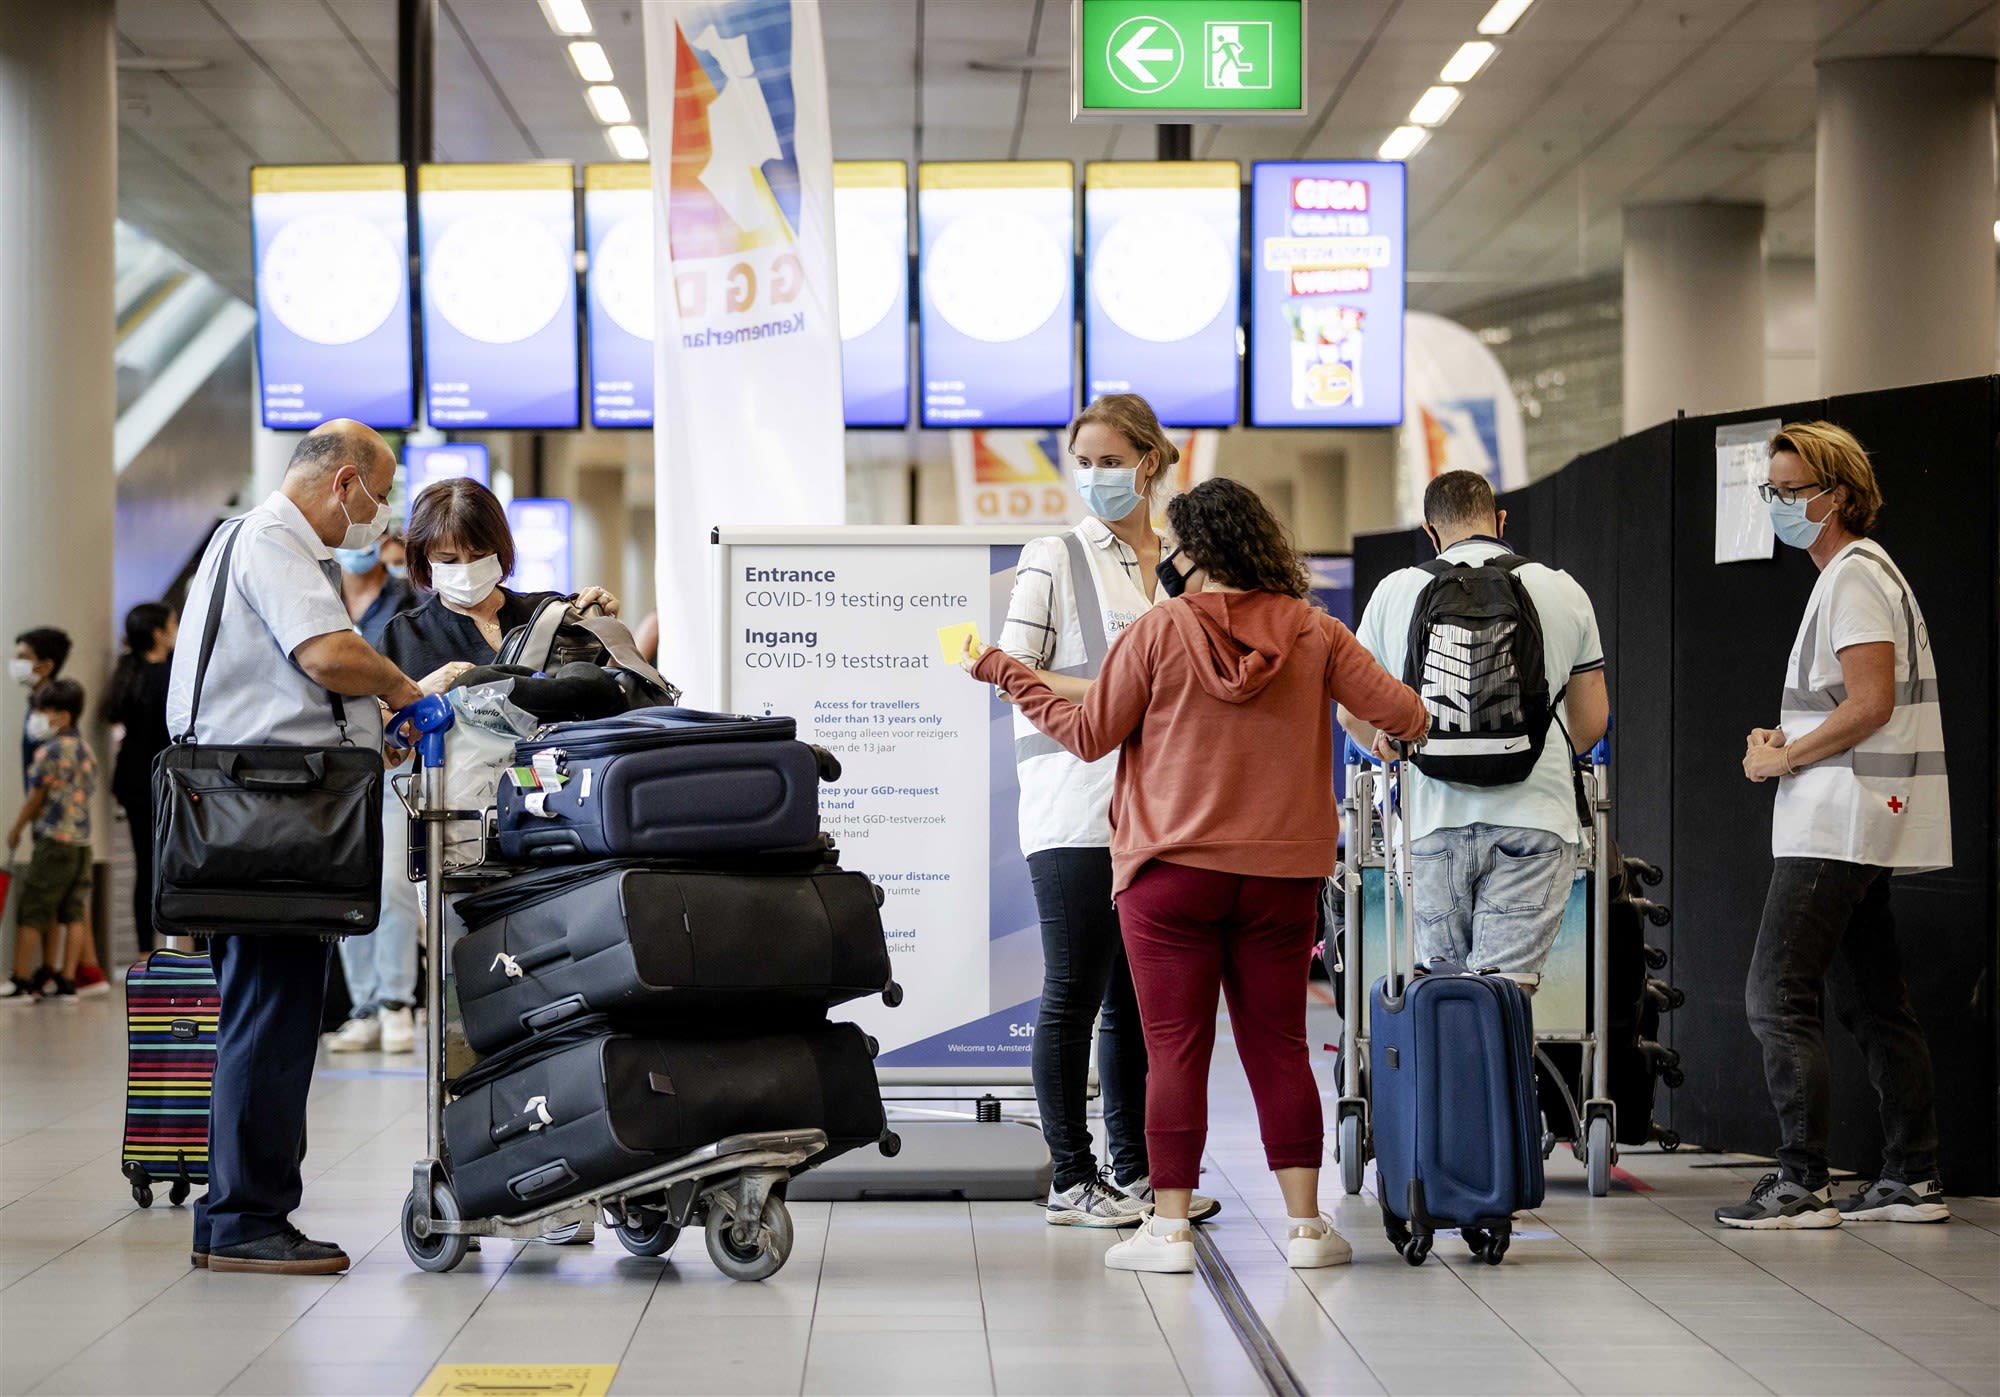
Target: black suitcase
662, 783
666, 951
581, 1108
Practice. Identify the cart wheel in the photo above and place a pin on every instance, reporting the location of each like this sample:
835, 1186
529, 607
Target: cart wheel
178, 1194
772, 1245
1352, 1162
1597, 1156
142, 1194
656, 1240
1670, 1140
1496, 1247
892, 995
441, 1250
1418, 1249
890, 1145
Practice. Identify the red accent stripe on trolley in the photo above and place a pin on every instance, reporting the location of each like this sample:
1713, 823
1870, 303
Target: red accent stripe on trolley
1630, 1180
1321, 995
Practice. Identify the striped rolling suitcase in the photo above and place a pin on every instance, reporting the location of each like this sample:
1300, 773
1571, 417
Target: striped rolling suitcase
171, 1007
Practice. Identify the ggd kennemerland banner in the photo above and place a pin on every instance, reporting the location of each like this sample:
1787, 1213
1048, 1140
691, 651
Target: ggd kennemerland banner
747, 420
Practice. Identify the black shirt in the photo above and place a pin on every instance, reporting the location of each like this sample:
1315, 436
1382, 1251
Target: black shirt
434, 635
142, 709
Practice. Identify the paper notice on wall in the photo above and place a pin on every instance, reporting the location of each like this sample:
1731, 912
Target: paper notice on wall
1742, 463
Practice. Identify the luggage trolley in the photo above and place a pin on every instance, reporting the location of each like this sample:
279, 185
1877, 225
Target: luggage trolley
1593, 1122
734, 1187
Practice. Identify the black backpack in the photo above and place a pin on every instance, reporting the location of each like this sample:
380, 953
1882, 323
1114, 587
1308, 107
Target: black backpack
1475, 658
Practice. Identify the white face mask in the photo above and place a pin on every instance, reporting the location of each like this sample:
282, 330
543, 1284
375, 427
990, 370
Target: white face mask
40, 729
22, 672
362, 536
467, 584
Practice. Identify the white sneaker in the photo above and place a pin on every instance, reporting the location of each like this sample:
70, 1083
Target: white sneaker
1140, 1190
1148, 1250
399, 1030
1308, 1249
1094, 1203
357, 1036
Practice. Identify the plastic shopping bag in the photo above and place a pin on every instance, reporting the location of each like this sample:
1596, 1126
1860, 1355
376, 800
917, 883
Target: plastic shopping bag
478, 751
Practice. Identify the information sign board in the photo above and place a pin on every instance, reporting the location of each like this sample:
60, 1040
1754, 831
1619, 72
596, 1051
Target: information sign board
1194, 60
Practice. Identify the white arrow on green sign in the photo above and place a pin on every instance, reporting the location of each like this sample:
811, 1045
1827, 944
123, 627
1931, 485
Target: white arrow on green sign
1168, 60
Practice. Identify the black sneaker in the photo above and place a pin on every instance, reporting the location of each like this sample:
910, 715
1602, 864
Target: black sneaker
59, 987
1778, 1203
1890, 1200
289, 1253
44, 978
18, 991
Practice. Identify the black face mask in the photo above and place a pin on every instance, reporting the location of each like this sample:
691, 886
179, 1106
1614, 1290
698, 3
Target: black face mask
1172, 580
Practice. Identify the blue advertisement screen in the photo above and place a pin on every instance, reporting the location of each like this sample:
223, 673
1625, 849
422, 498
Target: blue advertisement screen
1161, 272
1326, 304
427, 465
618, 230
541, 545
333, 295
997, 270
871, 238
498, 274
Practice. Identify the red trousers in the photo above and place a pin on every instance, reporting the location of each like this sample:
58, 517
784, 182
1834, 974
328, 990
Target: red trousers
1190, 932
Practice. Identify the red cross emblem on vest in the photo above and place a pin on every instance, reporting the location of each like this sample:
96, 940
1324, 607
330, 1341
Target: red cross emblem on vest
1896, 805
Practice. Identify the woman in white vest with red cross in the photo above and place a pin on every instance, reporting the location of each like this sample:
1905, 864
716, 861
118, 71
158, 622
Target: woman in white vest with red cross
1074, 593
1862, 796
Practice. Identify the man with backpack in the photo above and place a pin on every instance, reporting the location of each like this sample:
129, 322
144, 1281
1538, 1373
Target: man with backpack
1506, 655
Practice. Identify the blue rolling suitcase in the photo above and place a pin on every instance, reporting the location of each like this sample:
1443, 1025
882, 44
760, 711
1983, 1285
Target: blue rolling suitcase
663, 783
1455, 1116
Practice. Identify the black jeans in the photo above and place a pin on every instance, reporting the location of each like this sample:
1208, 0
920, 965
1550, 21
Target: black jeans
139, 822
1828, 924
1084, 972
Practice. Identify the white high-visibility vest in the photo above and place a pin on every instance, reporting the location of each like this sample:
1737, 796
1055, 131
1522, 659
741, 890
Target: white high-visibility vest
1886, 801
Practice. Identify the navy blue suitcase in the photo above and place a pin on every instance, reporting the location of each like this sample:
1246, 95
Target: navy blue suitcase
1454, 1109
663, 783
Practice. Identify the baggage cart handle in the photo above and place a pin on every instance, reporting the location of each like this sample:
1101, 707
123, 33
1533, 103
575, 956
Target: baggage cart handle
429, 717
1402, 908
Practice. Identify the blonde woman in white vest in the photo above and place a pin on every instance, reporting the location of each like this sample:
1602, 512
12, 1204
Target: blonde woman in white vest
1858, 755
1074, 593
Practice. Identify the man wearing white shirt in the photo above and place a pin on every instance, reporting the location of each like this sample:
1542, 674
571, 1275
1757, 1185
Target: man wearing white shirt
1862, 796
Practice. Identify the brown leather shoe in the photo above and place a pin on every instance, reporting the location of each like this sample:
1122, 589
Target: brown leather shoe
287, 1253
198, 1260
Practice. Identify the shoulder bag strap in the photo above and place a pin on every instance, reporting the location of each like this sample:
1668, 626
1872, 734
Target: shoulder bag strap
211, 626
1089, 611
616, 637
542, 627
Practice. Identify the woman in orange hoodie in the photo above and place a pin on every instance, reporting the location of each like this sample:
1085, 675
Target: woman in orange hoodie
1222, 829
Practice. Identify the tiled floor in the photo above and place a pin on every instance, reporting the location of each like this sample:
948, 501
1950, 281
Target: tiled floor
1636, 1293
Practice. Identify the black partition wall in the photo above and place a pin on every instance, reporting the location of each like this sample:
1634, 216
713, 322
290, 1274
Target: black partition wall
1696, 654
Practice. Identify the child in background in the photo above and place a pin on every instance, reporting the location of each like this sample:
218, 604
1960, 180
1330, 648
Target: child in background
55, 890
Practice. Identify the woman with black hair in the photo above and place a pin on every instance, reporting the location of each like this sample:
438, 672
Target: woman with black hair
1222, 832
136, 700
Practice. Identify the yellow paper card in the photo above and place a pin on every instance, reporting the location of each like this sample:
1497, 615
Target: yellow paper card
952, 640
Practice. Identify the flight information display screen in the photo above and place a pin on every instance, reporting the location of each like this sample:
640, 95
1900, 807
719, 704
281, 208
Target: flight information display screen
498, 276
427, 465
542, 545
1161, 270
332, 247
997, 301
871, 239
1326, 305
618, 230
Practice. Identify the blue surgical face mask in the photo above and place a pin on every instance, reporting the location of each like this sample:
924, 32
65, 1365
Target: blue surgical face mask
1108, 490
1790, 524
359, 561
400, 571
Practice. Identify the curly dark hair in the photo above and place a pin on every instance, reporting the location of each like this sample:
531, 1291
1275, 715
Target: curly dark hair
1229, 533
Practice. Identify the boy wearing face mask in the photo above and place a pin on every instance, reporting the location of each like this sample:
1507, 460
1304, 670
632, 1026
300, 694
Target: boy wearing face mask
55, 890
1858, 756
39, 656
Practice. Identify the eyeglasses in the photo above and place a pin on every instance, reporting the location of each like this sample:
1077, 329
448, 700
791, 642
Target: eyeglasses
1768, 492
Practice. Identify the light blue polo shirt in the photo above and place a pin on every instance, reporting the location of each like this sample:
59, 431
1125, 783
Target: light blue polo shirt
283, 590
1570, 645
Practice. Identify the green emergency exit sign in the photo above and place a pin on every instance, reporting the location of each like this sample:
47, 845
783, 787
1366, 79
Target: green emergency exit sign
1194, 60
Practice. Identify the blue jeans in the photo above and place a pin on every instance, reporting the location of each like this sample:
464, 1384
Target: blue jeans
381, 967
1491, 897
1827, 926
1084, 972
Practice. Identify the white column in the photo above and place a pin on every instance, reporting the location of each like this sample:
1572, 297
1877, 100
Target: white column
1694, 310
1904, 224
58, 398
